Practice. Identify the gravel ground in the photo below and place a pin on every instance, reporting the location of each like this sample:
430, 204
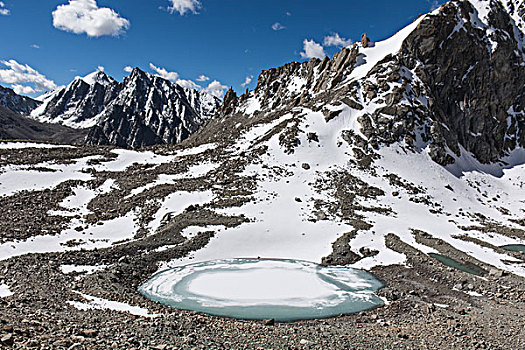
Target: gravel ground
430, 306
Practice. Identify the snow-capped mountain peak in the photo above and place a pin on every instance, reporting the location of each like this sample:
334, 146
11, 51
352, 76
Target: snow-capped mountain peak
99, 77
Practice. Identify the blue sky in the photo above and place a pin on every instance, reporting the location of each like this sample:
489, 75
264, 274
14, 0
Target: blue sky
227, 41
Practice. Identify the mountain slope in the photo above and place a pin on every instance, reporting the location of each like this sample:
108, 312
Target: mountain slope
14, 126
412, 140
445, 83
20, 104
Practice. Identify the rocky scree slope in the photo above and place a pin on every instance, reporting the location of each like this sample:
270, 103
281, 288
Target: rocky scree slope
143, 110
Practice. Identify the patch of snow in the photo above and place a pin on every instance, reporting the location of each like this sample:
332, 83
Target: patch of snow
474, 294
87, 269
175, 203
369, 57
253, 105
195, 150
77, 203
104, 304
21, 145
127, 158
297, 84
4, 291
443, 306
193, 172
14, 178
192, 231
94, 236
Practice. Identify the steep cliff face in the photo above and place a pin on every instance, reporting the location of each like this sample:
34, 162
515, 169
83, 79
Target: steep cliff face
141, 111
16, 103
470, 61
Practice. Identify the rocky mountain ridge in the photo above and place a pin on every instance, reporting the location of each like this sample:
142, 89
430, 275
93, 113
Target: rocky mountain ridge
451, 83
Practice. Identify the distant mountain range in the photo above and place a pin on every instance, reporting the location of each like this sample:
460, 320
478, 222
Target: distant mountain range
141, 111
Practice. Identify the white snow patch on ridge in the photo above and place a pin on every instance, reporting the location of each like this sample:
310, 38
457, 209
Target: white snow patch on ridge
193, 172
18, 178
95, 236
370, 56
15, 179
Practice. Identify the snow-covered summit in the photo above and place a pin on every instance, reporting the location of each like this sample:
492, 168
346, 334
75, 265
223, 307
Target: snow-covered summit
99, 77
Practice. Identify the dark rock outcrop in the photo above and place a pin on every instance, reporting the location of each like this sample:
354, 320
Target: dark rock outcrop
365, 41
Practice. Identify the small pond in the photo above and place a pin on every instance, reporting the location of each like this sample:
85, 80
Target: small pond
256, 289
515, 247
465, 267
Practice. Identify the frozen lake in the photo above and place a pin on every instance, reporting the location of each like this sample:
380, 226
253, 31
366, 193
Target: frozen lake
285, 290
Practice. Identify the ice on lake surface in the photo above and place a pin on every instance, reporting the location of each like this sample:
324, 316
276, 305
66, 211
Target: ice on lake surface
285, 290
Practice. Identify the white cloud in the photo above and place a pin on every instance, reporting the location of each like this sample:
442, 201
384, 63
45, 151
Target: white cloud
35, 46
100, 68
163, 73
216, 89
312, 49
18, 74
183, 6
84, 16
203, 78
21, 89
128, 69
336, 40
433, 5
278, 26
288, 13
247, 81
3, 10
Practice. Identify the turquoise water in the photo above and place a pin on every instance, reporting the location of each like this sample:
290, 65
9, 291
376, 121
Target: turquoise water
467, 267
515, 247
256, 289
